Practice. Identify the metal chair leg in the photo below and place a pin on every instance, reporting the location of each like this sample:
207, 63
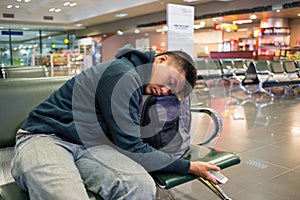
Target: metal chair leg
215, 188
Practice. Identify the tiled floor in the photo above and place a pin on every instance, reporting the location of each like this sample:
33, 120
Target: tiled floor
266, 135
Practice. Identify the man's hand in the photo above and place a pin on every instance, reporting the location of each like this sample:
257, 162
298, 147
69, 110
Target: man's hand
202, 169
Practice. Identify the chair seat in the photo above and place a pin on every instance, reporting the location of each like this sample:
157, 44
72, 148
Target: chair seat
11, 191
222, 159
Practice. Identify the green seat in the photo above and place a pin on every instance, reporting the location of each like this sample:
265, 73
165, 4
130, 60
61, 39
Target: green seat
11, 191
222, 159
18, 97
207, 69
290, 67
25, 72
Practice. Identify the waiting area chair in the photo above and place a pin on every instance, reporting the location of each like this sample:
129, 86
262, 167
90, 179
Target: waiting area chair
234, 71
24, 72
19, 96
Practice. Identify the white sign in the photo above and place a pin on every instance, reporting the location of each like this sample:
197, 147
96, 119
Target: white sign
180, 20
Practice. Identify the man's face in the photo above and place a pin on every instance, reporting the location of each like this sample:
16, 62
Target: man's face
166, 78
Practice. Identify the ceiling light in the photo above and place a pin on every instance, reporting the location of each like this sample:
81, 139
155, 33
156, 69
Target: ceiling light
58, 10
78, 25
9, 6
52, 9
253, 16
67, 3
137, 31
26, 1
189, 1
73, 4
242, 21
120, 32
121, 15
278, 10
299, 14
17, 6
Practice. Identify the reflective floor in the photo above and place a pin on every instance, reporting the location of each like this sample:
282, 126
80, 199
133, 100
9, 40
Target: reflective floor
265, 133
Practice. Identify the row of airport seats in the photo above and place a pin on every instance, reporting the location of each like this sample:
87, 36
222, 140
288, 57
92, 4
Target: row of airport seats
24, 72
245, 72
19, 95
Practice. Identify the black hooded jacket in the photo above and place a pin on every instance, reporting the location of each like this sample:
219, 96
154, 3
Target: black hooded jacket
101, 105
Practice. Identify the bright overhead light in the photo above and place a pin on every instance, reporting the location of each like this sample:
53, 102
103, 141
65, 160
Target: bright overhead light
245, 21
121, 15
120, 32
54, 9
67, 3
9, 6
161, 30
299, 14
253, 16
189, 1
137, 31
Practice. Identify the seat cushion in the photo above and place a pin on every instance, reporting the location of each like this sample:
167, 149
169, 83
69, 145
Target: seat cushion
11, 191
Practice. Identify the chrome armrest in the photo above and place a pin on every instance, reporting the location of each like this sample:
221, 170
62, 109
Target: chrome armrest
218, 124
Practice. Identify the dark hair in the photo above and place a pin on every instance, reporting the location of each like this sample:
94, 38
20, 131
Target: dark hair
186, 63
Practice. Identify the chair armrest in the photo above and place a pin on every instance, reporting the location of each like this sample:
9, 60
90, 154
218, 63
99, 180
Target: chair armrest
218, 124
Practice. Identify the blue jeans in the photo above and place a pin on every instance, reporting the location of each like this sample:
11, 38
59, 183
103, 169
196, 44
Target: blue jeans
49, 168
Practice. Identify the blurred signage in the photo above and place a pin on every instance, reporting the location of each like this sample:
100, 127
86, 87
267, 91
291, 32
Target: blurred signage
180, 20
226, 27
11, 32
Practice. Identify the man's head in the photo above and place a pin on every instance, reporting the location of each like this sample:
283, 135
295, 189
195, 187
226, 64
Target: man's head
173, 72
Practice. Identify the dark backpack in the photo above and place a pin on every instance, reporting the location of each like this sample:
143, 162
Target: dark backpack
165, 124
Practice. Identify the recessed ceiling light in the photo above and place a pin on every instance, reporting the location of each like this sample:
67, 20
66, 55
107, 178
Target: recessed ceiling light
253, 16
79, 25
189, 1
121, 15
137, 31
120, 32
67, 3
242, 21
9, 6
299, 14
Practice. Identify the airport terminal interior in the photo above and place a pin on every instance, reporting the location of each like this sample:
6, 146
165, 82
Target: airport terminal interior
247, 55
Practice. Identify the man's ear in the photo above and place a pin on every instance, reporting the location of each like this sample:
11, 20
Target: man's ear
161, 59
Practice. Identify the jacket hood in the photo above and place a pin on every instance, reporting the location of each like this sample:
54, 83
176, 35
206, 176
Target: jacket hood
135, 56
